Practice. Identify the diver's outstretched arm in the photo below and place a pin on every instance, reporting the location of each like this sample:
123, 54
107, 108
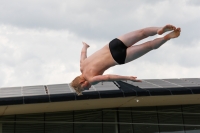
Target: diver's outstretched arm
84, 52
110, 77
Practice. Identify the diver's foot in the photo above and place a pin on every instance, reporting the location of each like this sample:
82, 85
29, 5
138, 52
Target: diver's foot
165, 29
173, 34
85, 44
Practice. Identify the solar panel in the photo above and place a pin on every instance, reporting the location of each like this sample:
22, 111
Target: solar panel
33, 90
165, 83
59, 89
162, 83
181, 82
10, 92
193, 80
143, 84
102, 86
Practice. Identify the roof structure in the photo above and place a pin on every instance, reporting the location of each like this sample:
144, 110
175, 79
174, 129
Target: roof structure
101, 93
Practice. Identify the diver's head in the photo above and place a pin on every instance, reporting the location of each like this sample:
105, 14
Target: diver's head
79, 84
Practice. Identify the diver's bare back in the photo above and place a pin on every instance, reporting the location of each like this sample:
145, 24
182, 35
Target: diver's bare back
97, 63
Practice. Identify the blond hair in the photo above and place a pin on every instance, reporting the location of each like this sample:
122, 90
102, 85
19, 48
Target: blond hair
76, 85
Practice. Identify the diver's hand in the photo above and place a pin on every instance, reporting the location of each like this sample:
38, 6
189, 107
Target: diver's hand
134, 79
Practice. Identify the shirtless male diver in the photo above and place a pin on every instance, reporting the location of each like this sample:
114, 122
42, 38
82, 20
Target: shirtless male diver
118, 51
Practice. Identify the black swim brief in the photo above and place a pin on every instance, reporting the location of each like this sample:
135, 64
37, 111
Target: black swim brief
118, 50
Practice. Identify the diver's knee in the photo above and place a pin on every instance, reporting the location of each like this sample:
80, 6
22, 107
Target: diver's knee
149, 46
143, 33
153, 46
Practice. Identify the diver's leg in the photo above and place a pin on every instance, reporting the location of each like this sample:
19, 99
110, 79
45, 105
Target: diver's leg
131, 38
137, 51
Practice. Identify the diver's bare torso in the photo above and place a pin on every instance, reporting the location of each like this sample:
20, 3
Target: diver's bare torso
97, 63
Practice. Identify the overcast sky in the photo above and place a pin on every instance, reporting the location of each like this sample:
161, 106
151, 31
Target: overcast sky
40, 40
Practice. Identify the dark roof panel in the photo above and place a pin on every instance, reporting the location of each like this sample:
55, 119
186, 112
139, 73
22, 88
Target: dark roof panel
88, 95
11, 101
62, 97
36, 99
136, 89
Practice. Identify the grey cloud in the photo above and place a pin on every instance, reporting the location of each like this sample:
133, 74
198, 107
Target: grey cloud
194, 2
30, 55
52, 14
174, 54
190, 57
93, 19
3, 75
